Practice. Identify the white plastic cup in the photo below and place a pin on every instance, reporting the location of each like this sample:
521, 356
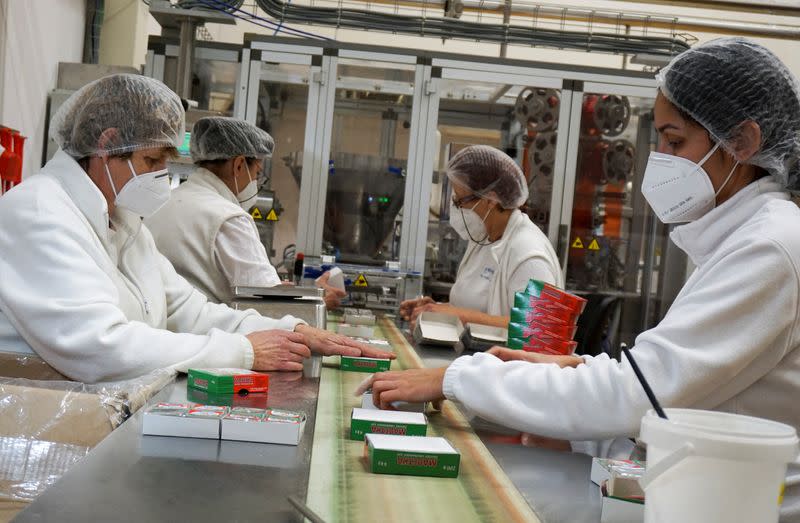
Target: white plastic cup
714, 467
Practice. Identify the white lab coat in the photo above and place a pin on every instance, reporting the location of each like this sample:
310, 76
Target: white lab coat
729, 342
489, 275
98, 303
210, 240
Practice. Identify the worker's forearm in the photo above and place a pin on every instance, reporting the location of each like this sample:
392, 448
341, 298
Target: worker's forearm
473, 316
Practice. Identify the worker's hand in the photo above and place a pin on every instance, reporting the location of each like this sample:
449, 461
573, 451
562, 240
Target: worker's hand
333, 296
330, 344
417, 385
278, 350
408, 306
532, 440
506, 354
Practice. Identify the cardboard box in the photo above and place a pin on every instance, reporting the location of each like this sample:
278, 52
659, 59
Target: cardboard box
413, 456
603, 469
372, 421
227, 381
616, 510
437, 328
267, 426
183, 420
359, 364
405, 406
362, 331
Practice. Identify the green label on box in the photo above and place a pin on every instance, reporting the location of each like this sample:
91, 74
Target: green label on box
210, 382
361, 427
413, 463
364, 364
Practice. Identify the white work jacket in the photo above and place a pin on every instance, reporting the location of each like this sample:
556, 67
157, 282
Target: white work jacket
489, 275
100, 303
728, 343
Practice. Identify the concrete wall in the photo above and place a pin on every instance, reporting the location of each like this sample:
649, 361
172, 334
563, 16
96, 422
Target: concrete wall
35, 35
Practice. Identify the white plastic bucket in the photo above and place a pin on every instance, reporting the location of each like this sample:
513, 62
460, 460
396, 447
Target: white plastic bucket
709, 467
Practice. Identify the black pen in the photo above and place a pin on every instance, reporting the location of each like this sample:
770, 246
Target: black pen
643, 381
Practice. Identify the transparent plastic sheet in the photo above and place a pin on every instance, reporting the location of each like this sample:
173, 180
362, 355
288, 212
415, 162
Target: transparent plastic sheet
47, 425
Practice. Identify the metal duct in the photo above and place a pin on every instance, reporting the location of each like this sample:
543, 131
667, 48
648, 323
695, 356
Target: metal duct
441, 27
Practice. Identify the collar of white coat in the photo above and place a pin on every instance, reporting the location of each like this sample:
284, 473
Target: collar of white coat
499, 246
209, 180
88, 198
700, 238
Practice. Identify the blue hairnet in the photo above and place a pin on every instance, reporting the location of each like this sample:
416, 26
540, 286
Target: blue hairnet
728, 81
222, 138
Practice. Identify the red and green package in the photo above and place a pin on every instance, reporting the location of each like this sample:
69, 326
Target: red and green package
534, 328
227, 381
545, 319
551, 346
556, 310
539, 290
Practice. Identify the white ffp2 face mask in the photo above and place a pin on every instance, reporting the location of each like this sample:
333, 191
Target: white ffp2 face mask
468, 225
679, 190
247, 196
143, 194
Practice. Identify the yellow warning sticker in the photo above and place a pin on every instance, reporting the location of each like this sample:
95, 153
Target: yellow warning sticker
594, 246
577, 244
272, 216
256, 214
361, 281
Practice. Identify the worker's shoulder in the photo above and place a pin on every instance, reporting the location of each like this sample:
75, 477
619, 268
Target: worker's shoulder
777, 220
38, 196
205, 199
526, 235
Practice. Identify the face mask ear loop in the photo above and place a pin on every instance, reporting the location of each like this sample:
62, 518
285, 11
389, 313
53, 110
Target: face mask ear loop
708, 155
483, 241
726, 180
110, 180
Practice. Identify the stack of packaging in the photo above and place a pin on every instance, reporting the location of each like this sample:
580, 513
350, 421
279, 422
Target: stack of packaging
544, 319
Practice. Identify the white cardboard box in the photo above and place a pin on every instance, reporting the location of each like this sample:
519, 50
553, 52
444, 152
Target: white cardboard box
361, 331
264, 431
165, 424
621, 511
438, 328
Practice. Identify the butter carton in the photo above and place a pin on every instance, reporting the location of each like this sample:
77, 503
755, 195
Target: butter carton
413, 456
227, 381
263, 426
253, 401
360, 364
373, 421
359, 317
183, 420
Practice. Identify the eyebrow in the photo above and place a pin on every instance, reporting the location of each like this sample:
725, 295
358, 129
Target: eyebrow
667, 126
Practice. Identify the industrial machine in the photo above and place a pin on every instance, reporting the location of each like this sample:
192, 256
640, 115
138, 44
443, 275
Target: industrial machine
363, 135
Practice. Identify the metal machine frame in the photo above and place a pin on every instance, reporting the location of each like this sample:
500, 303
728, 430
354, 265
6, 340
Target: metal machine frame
322, 57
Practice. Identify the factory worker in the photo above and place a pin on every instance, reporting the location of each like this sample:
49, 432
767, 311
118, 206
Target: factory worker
205, 229
728, 120
83, 284
505, 248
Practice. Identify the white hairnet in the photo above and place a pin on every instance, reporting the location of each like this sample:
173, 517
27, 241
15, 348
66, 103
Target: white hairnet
489, 173
728, 81
138, 112
221, 138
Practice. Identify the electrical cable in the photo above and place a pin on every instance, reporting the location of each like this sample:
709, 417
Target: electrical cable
232, 10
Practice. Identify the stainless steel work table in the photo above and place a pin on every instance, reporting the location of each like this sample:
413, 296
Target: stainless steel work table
128, 477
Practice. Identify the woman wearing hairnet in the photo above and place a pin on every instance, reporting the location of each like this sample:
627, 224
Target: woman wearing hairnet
83, 284
728, 120
204, 229
505, 248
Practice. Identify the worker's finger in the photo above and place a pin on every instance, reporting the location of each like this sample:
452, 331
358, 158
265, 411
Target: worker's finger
380, 387
371, 352
295, 337
364, 386
290, 366
291, 356
390, 396
300, 349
